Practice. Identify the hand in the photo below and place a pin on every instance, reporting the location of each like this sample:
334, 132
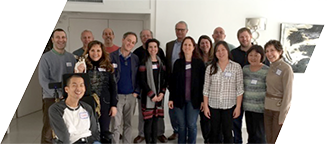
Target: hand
202, 107
154, 99
207, 113
113, 111
160, 97
237, 112
80, 68
135, 95
170, 104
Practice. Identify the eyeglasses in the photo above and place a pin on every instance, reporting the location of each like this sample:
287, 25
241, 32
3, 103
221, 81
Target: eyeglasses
182, 30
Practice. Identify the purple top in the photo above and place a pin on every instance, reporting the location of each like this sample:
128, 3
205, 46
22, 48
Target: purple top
188, 81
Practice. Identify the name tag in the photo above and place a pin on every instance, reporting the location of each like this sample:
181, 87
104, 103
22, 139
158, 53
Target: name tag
114, 65
254, 82
83, 115
154, 66
278, 72
102, 69
68, 64
188, 66
228, 74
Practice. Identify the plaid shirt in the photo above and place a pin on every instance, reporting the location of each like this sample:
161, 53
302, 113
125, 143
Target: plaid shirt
223, 87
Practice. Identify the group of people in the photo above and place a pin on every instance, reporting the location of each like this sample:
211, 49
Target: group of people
216, 80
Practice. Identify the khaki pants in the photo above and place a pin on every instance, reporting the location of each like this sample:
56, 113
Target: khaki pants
272, 127
46, 130
125, 112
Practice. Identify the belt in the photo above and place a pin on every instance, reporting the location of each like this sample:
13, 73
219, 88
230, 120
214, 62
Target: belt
275, 98
82, 140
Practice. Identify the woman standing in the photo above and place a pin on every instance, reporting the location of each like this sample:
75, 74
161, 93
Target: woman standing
101, 73
206, 54
254, 78
186, 90
278, 92
152, 78
223, 90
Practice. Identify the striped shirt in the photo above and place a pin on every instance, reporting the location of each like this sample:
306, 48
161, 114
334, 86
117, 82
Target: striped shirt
254, 89
223, 87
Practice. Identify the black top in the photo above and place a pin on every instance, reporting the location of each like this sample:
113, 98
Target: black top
177, 86
241, 57
103, 84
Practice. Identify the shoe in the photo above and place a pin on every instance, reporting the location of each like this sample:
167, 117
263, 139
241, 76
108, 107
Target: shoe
120, 136
162, 139
138, 139
173, 136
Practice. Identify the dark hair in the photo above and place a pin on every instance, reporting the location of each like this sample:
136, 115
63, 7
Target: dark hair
259, 49
147, 55
214, 67
201, 53
104, 60
73, 76
129, 33
241, 30
278, 46
57, 30
195, 53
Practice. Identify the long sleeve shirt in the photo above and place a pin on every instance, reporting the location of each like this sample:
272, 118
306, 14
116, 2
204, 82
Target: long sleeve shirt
279, 88
223, 87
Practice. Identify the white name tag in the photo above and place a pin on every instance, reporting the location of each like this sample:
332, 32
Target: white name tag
188, 66
83, 115
68, 64
102, 69
254, 82
154, 66
228, 74
114, 65
278, 72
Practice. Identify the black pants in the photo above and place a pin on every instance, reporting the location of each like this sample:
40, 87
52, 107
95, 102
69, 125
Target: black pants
205, 124
221, 120
150, 130
255, 127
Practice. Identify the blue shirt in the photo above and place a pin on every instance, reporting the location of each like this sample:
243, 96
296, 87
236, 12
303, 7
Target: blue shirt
125, 82
175, 52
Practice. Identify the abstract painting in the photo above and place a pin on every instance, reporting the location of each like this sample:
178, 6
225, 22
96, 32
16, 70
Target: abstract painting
299, 41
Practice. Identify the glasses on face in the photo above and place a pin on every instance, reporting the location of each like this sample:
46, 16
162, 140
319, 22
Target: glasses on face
219, 33
181, 30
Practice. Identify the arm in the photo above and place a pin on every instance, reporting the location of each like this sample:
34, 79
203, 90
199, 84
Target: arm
287, 80
94, 125
113, 94
206, 92
57, 123
44, 76
162, 83
240, 91
137, 81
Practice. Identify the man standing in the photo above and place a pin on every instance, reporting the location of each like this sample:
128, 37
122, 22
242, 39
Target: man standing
219, 35
140, 52
108, 36
172, 54
74, 121
53, 65
126, 66
86, 37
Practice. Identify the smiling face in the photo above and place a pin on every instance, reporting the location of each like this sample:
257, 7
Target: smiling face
59, 40
272, 53
221, 53
254, 58
128, 42
108, 35
145, 35
188, 47
86, 37
153, 49
245, 39
75, 88
219, 34
205, 45
95, 52
181, 31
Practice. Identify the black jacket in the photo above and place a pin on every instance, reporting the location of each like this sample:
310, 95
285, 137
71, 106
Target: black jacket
177, 86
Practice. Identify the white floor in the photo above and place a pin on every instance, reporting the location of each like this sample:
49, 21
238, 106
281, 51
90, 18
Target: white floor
27, 129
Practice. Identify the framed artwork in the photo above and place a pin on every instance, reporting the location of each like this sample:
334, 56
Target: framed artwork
299, 41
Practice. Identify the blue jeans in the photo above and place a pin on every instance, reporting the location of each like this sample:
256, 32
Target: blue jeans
173, 120
238, 128
187, 119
